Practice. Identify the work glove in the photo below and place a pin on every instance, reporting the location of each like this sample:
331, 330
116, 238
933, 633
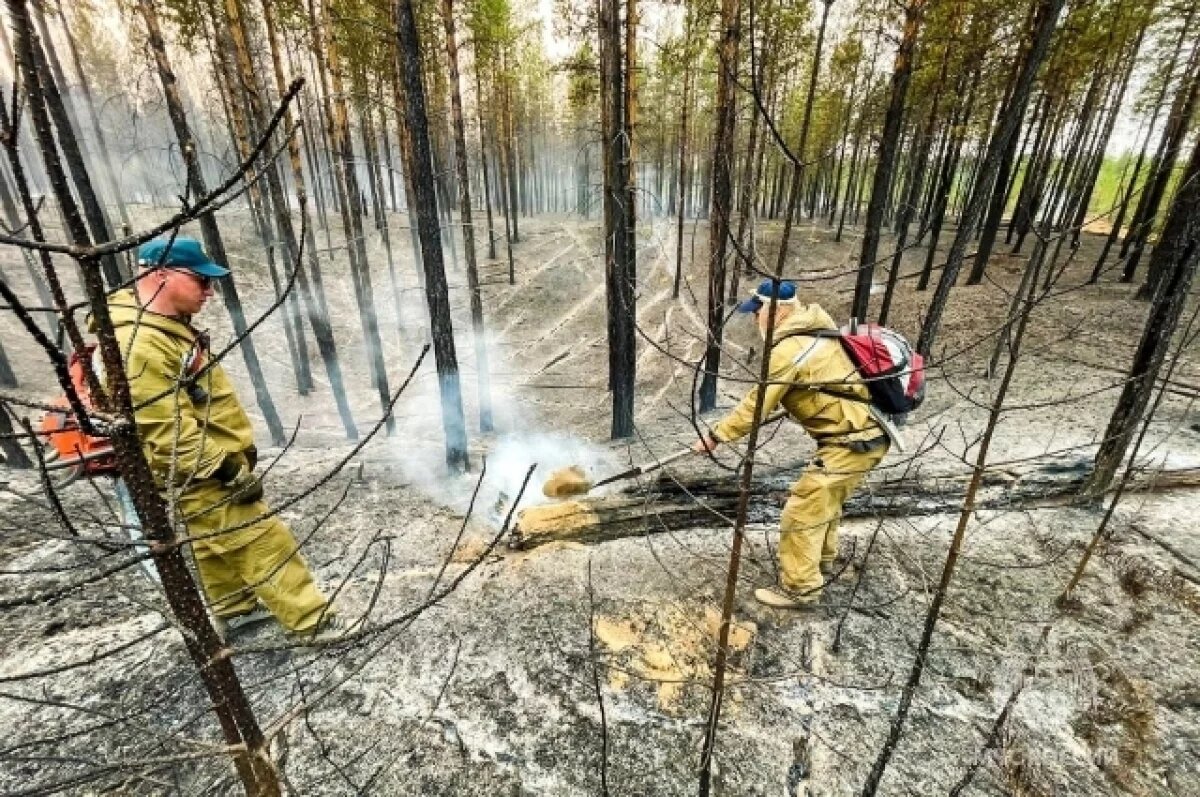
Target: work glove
236, 476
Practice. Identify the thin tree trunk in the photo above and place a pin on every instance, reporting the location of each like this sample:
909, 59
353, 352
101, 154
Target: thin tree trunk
311, 293
230, 704
793, 199
483, 161
464, 199
621, 262
1174, 260
244, 124
348, 198
722, 166
1044, 24
1101, 145
1182, 110
995, 210
881, 185
436, 291
958, 126
684, 177
105, 156
844, 142
93, 211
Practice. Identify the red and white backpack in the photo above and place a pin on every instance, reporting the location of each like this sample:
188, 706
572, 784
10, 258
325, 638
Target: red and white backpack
893, 371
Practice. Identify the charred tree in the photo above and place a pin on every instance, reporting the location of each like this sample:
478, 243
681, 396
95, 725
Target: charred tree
620, 249
1174, 261
93, 212
436, 290
722, 167
348, 198
1044, 23
312, 292
797, 181
207, 651
881, 184
683, 173
464, 208
105, 155
1182, 110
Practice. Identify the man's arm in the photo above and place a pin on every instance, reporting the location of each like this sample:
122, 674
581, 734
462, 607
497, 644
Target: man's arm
740, 420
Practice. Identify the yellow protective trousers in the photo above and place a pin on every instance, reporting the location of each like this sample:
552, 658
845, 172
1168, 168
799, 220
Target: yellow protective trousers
808, 526
258, 564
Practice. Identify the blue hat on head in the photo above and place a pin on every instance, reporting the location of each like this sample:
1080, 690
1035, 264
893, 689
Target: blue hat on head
784, 293
186, 253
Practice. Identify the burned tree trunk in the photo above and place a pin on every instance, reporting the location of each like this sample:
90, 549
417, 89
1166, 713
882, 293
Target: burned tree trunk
311, 293
684, 185
93, 211
209, 655
620, 252
7, 377
1044, 23
794, 188
1160, 172
1175, 259
464, 207
881, 184
679, 502
436, 291
483, 164
718, 226
1127, 196
349, 198
105, 156
11, 453
243, 130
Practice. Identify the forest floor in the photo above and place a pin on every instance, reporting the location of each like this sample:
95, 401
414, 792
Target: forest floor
494, 689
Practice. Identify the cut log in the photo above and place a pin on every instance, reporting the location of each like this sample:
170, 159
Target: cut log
675, 503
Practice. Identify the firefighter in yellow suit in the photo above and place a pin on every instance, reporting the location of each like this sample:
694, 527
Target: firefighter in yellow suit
815, 381
199, 442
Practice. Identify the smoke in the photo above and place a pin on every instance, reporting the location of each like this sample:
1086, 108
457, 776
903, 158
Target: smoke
521, 440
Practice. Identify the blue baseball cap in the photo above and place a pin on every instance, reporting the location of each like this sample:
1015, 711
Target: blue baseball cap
784, 292
186, 253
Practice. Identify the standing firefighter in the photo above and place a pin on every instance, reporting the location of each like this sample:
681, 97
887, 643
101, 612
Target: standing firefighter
819, 386
200, 446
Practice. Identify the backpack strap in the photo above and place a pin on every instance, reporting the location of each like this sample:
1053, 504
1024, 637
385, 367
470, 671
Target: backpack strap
826, 333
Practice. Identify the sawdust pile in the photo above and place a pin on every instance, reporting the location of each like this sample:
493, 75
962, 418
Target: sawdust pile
671, 650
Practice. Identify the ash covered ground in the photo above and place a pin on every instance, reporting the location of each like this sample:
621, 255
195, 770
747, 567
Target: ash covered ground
493, 688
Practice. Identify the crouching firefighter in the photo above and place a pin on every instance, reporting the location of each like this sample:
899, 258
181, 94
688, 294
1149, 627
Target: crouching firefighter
814, 379
199, 443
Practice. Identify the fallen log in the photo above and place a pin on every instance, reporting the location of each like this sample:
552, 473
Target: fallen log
672, 503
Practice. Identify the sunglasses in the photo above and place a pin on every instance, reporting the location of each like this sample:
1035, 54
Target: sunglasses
204, 282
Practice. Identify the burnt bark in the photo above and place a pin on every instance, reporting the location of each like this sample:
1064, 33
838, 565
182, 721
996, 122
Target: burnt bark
1182, 110
436, 291
620, 248
1175, 259
230, 704
464, 206
722, 168
881, 184
1044, 23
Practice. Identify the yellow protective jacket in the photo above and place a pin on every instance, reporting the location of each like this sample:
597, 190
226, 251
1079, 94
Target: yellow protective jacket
805, 372
196, 425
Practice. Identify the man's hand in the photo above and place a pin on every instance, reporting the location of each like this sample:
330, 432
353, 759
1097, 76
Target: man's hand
705, 444
240, 479
247, 488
